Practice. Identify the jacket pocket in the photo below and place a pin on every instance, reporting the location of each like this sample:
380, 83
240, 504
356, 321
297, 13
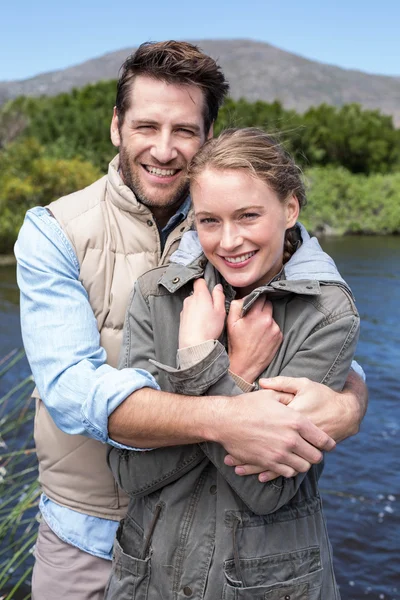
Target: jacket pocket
291, 576
130, 576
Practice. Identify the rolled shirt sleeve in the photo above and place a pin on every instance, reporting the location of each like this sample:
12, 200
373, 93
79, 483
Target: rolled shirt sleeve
60, 334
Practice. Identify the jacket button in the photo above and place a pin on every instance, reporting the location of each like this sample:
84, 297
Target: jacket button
150, 223
282, 283
308, 287
213, 489
187, 591
287, 597
176, 280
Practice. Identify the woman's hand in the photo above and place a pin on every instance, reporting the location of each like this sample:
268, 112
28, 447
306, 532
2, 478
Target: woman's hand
203, 315
253, 339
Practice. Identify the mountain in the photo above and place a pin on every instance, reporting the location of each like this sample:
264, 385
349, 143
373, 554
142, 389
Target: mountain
255, 70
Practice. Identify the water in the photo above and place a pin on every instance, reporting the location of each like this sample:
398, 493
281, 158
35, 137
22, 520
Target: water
361, 484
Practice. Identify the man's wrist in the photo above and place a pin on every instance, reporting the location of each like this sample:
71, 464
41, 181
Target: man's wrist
217, 414
351, 412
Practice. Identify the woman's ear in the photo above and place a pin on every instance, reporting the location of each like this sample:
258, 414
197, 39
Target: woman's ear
292, 211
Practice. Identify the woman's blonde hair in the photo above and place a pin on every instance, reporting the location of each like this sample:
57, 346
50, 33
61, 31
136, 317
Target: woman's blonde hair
260, 155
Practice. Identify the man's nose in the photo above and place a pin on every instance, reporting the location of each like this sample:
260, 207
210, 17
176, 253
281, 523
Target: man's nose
163, 150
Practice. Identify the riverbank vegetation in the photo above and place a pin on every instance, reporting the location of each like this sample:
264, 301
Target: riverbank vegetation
19, 488
50, 146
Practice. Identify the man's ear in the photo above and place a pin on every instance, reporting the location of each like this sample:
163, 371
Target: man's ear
114, 129
292, 211
210, 133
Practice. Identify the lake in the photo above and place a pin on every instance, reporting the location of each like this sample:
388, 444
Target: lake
361, 484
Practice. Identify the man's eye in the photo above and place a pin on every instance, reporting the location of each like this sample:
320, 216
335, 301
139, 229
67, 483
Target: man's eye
186, 132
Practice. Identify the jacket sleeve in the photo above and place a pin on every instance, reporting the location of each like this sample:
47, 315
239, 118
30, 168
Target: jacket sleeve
141, 472
208, 376
325, 357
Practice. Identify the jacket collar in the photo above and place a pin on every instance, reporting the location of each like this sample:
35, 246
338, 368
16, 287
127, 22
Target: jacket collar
177, 275
308, 262
120, 195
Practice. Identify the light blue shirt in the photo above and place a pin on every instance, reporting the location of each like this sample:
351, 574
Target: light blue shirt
62, 343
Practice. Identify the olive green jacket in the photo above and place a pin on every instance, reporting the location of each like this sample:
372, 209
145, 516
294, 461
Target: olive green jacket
194, 528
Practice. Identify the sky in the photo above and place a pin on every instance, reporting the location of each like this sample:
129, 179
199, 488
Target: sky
47, 35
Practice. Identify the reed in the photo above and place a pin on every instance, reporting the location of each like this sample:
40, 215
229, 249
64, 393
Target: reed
19, 487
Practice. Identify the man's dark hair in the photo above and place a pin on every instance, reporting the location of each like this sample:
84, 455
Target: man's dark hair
178, 63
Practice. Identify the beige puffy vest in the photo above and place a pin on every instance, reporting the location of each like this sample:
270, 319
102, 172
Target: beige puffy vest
116, 240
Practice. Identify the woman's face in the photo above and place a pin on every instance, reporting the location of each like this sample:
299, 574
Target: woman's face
241, 226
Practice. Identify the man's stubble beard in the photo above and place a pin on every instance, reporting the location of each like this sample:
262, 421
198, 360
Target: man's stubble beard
132, 180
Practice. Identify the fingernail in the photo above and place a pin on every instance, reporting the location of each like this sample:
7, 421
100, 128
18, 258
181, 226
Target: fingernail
240, 471
263, 478
228, 461
218, 287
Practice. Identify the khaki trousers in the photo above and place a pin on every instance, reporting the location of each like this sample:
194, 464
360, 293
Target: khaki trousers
63, 571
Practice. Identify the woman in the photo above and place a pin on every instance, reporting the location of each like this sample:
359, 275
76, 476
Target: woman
195, 528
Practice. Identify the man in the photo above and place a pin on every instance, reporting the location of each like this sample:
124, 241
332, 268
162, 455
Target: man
77, 262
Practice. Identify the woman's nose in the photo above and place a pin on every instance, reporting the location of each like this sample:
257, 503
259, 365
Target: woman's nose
230, 238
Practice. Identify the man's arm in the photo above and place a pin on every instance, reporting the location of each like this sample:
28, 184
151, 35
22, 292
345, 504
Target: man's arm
60, 333
339, 414
254, 425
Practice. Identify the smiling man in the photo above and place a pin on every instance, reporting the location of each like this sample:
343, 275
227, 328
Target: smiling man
157, 139
77, 262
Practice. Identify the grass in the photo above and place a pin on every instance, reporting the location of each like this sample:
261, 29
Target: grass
19, 488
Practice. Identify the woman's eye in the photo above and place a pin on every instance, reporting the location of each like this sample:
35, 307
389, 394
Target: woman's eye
207, 220
250, 215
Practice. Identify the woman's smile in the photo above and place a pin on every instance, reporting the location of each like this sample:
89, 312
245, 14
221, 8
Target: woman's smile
239, 261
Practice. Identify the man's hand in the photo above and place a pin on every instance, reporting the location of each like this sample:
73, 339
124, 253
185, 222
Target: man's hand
203, 315
259, 432
339, 414
253, 339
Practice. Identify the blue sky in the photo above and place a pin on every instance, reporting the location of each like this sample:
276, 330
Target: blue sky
43, 35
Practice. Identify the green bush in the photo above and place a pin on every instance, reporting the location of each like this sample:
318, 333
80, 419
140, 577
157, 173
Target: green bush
340, 202
76, 125
29, 178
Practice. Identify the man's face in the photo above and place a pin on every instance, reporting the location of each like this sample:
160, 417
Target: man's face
161, 132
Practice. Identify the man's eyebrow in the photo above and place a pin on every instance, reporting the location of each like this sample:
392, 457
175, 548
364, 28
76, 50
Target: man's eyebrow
192, 126
143, 122
187, 125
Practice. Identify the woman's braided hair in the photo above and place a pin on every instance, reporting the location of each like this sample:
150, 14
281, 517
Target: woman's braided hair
258, 153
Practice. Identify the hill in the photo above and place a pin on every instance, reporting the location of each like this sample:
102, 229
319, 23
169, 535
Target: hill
256, 71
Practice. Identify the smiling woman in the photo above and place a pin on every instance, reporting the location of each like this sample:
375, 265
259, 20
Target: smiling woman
226, 536
247, 195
